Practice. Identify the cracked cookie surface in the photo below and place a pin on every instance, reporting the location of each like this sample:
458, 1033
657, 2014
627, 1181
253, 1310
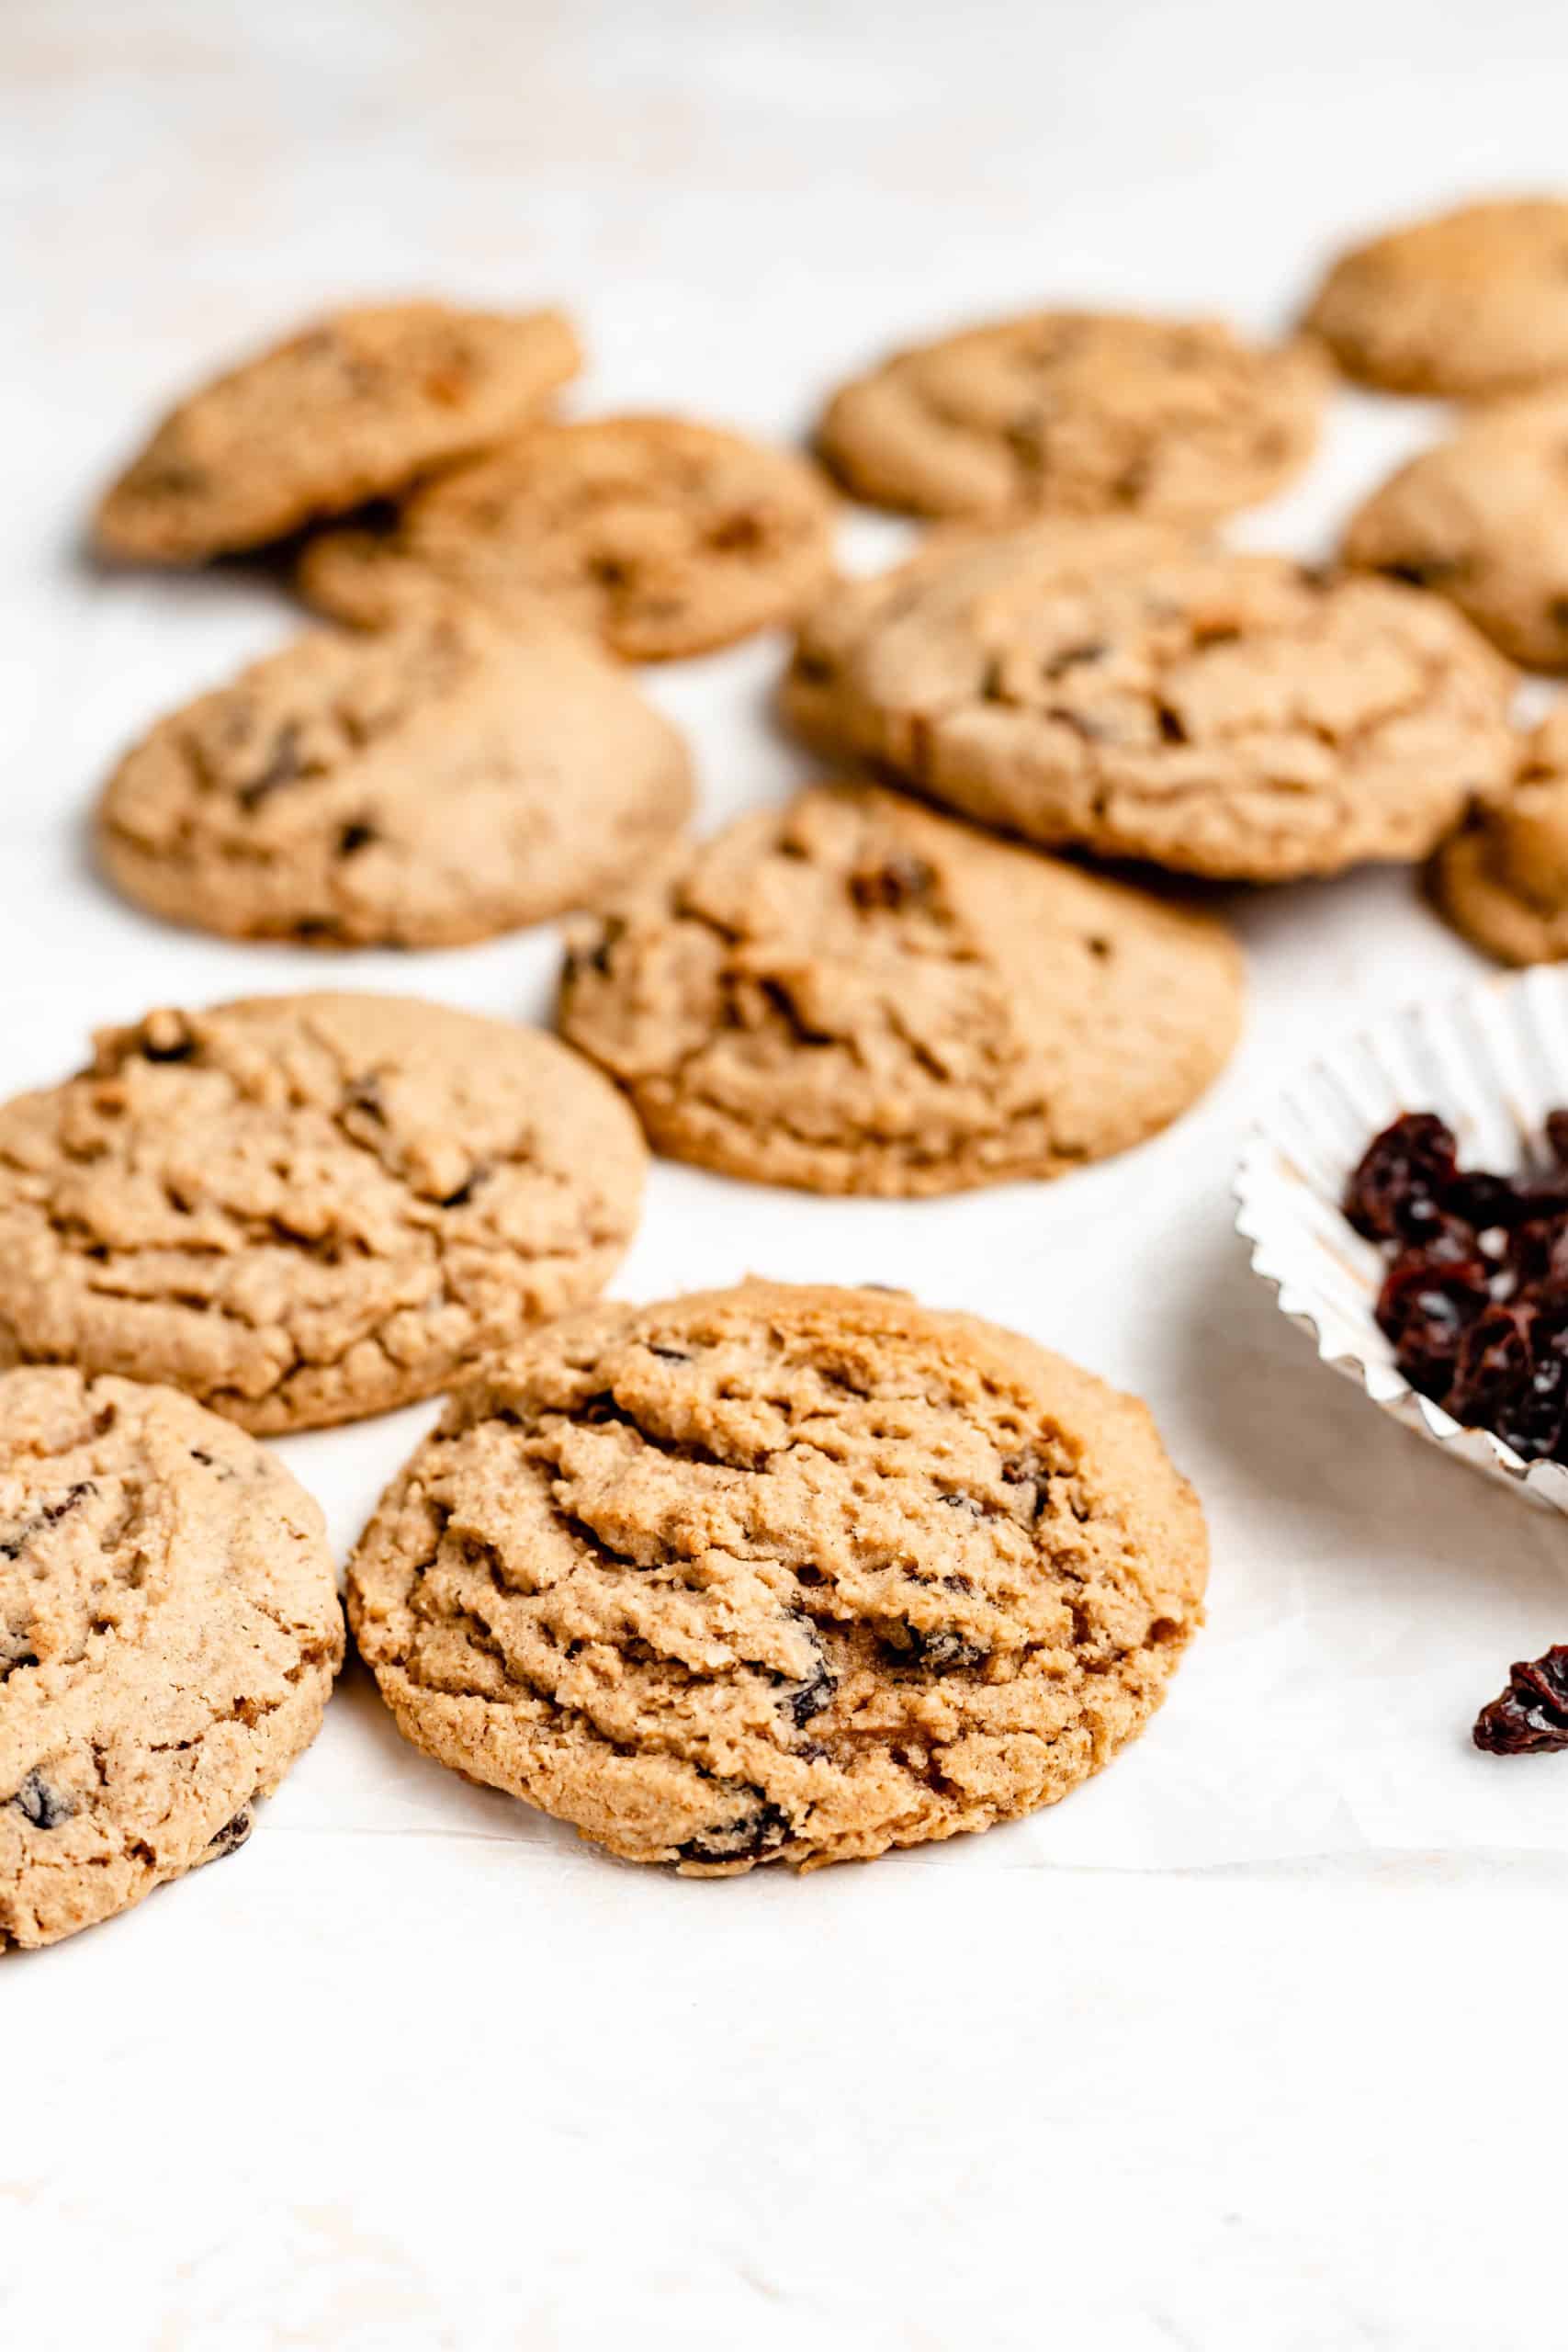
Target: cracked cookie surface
856, 995
352, 408
780, 1574
1080, 413
1460, 305
169, 1631
438, 782
305, 1209
1483, 519
660, 536
1501, 879
1125, 688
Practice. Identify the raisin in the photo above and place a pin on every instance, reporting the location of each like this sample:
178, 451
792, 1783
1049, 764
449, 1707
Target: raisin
284, 767
1493, 1362
737, 534
1397, 1191
808, 1698
899, 881
942, 1651
597, 957
231, 1837
1531, 1714
1424, 1308
44, 1806
46, 1515
761, 1829
1430, 571
353, 838
364, 1095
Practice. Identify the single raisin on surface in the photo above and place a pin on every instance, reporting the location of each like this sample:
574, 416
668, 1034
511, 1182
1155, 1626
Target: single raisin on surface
1531, 1714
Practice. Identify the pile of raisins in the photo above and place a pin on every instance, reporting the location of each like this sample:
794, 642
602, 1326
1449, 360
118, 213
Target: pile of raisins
1475, 1299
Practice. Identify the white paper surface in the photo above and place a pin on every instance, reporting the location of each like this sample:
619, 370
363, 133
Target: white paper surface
417, 2068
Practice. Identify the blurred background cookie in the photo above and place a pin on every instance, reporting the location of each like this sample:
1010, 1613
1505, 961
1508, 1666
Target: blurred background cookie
1503, 878
660, 536
1483, 519
1463, 303
352, 407
1078, 413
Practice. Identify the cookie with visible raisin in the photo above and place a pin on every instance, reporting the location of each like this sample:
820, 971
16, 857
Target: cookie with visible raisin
438, 782
169, 1631
854, 994
780, 1574
660, 536
1125, 688
305, 1209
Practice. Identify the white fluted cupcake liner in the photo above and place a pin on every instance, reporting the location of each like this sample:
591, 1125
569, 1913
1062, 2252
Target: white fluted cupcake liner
1492, 1062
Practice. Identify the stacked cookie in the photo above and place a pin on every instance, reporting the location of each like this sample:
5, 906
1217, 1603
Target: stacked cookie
774, 1573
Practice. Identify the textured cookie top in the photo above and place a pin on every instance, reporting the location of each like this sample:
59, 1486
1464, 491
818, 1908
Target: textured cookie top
1465, 303
1503, 877
1483, 519
438, 782
169, 1631
660, 536
859, 996
352, 408
1080, 413
1120, 685
780, 1574
303, 1209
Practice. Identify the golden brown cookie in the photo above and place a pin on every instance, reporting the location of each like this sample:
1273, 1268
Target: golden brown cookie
440, 781
1080, 413
1483, 519
169, 1631
1503, 878
1123, 687
302, 1209
856, 995
660, 536
1461, 304
352, 408
780, 1574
